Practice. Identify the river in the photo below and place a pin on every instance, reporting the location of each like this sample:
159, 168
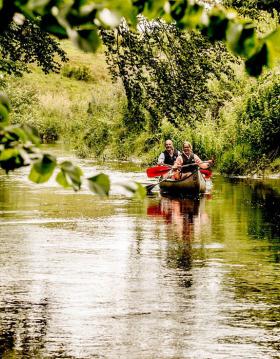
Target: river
88, 277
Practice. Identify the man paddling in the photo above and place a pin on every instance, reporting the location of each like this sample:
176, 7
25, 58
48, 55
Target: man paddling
169, 156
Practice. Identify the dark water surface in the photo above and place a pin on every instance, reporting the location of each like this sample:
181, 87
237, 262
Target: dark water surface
84, 277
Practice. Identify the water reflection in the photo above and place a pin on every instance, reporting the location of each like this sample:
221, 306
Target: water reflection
184, 216
83, 277
185, 219
265, 223
23, 327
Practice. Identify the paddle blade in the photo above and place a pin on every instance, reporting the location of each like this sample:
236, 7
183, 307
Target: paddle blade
207, 173
157, 171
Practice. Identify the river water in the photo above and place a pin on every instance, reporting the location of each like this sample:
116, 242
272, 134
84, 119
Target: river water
85, 277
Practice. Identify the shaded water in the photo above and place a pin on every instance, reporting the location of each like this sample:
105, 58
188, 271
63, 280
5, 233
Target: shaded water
83, 277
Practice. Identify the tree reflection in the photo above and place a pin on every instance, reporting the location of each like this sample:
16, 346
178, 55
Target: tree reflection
23, 330
265, 221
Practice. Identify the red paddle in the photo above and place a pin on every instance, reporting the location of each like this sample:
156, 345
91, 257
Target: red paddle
206, 173
157, 171
160, 170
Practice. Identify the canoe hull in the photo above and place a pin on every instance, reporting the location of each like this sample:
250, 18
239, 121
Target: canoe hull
192, 185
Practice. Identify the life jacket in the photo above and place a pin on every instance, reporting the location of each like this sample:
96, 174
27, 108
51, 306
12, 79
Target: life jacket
169, 160
188, 161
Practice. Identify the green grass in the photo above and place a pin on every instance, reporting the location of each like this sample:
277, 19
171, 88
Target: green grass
66, 108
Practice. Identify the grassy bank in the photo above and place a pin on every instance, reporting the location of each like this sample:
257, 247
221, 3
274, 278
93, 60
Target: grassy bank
77, 106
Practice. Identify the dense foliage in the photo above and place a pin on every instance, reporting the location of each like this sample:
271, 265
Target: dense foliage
165, 72
266, 5
80, 21
252, 121
22, 44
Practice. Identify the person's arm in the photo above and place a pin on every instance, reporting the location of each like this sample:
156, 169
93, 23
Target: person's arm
204, 165
197, 160
161, 159
178, 163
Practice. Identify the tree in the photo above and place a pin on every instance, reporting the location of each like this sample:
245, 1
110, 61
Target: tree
164, 71
22, 44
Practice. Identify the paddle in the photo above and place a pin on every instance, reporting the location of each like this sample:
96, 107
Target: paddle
157, 171
151, 186
160, 170
207, 173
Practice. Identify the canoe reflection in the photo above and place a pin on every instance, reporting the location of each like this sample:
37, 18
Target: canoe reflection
186, 216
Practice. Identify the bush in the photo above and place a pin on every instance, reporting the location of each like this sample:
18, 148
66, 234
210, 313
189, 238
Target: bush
275, 165
79, 73
236, 161
97, 137
260, 119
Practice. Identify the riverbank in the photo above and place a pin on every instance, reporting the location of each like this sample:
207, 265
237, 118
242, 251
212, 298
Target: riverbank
85, 110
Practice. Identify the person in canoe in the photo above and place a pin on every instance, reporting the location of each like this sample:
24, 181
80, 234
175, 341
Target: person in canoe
169, 156
190, 160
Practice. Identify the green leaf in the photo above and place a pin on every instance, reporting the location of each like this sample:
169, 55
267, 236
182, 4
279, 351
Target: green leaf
4, 115
178, 9
20, 133
10, 159
217, 26
8, 154
42, 169
69, 176
254, 65
100, 184
138, 191
242, 38
272, 42
87, 40
50, 24
122, 7
61, 179
37, 6
153, 9
31, 134
4, 100
192, 17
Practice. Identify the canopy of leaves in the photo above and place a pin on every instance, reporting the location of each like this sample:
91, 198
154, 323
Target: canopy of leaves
26, 43
81, 20
165, 71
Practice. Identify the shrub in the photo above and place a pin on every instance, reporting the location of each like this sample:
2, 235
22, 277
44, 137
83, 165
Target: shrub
260, 118
97, 137
236, 160
79, 73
